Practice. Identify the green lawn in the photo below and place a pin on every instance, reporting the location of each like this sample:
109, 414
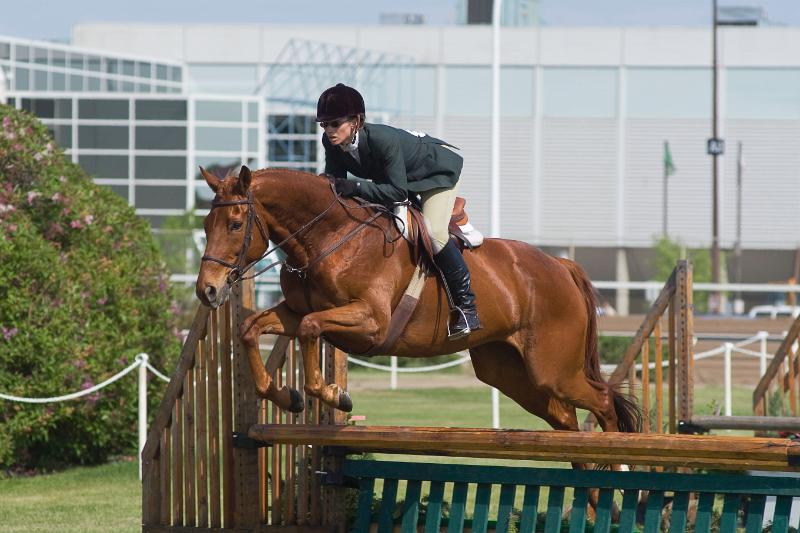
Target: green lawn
107, 498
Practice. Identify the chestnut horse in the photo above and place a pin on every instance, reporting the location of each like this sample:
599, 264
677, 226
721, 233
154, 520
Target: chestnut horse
344, 275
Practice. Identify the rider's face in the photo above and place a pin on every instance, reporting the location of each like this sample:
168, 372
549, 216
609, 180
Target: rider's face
339, 130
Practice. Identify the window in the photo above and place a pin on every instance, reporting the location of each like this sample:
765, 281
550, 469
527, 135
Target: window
218, 139
128, 68
103, 137
160, 109
103, 109
161, 197
160, 167
22, 53
468, 91
669, 93
219, 111
143, 70
580, 92
21, 79
76, 61
5, 51
765, 93
48, 108
105, 166
161, 137
75, 83
62, 135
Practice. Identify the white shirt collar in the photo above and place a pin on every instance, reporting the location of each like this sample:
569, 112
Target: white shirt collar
352, 148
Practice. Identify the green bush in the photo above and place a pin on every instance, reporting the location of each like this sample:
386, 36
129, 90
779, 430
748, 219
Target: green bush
83, 290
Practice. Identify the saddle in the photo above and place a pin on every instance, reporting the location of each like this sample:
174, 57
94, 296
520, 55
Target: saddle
415, 231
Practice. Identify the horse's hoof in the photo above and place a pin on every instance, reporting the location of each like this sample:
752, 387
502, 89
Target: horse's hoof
297, 404
345, 403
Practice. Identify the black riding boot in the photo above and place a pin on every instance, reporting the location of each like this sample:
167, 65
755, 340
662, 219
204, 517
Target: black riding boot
464, 317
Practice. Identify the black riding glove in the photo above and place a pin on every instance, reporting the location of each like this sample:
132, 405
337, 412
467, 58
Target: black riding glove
346, 188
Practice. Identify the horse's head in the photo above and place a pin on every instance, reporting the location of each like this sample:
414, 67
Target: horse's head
232, 241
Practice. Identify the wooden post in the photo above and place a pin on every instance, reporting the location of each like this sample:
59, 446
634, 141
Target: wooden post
659, 379
646, 386
684, 339
671, 395
245, 462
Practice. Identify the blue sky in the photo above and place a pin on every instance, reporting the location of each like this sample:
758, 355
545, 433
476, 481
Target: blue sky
53, 19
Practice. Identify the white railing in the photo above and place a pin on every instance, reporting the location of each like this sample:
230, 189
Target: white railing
142, 363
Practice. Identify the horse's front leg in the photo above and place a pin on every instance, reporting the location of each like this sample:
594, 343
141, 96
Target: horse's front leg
356, 318
279, 320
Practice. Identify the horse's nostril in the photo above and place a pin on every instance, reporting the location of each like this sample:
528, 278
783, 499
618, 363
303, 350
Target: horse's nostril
211, 293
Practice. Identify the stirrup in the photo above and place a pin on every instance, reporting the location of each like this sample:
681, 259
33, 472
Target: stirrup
452, 336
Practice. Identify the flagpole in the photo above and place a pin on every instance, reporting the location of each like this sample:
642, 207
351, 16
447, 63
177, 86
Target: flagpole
664, 195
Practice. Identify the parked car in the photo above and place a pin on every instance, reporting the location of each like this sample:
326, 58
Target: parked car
774, 311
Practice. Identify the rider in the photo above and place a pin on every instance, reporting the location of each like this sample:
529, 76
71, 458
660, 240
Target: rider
399, 163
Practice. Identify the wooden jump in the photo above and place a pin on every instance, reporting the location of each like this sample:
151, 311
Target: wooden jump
708, 452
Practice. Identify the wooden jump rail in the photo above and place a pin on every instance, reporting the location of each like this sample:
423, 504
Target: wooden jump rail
691, 451
781, 374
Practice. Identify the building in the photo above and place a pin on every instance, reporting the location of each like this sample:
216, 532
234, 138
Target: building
585, 113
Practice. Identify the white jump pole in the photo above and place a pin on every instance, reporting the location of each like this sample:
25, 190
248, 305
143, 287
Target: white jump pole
495, 187
142, 406
727, 380
763, 349
393, 373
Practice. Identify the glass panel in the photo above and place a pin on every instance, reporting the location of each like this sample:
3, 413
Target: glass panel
5, 51
102, 137
40, 56
223, 79
58, 58
76, 83
158, 167
763, 93
161, 137
176, 74
580, 92
161, 72
669, 93
22, 53
121, 190
94, 84
76, 61
94, 63
112, 66
161, 196
48, 108
105, 166
62, 135
39, 80
252, 140
252, 112
218, 139
516, 91
142, 87
161, 89
21, 79
290, 124
424, 91
161, 109
219, 111
128, 68
143, 69
59, 81
103, 109
294, 150
112, 85
127, 86
468, 91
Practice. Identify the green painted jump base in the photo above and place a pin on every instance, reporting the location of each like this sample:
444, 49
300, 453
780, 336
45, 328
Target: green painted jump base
741, 499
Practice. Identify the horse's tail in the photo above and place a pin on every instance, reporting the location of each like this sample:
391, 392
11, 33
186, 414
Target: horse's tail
629, 415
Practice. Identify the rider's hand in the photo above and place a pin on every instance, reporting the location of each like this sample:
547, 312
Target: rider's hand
346, 188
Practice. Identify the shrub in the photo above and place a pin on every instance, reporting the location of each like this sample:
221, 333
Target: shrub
83, 290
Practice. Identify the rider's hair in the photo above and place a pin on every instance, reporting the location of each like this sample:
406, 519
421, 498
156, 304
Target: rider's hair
360, 120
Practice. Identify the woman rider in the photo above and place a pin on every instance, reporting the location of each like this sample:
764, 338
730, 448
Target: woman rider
399, 164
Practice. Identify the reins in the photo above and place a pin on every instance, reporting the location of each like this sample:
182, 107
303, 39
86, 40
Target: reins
239, 269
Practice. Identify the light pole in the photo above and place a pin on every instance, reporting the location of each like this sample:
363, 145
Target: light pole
715, 148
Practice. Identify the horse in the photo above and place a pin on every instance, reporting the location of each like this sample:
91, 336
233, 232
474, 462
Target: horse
345, 271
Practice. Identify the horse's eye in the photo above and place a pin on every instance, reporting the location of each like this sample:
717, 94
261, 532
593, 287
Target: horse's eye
236, 226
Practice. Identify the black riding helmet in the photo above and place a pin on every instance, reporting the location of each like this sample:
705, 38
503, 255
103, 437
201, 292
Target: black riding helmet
339, 101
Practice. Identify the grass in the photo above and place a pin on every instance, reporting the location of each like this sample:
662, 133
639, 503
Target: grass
108, 497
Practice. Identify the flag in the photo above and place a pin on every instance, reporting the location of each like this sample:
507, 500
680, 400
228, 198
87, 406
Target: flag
669, 166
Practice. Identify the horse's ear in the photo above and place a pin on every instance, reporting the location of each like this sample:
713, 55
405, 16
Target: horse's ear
211, 179
244, 180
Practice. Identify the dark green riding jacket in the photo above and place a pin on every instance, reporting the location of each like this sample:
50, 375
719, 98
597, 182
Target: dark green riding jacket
397, 161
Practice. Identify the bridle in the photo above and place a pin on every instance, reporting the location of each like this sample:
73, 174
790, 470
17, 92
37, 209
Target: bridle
241, 266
